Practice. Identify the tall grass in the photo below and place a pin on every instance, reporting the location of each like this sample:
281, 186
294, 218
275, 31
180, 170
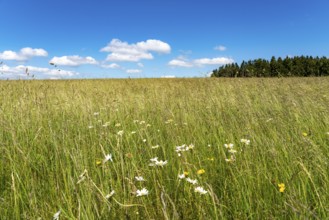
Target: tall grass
54, 136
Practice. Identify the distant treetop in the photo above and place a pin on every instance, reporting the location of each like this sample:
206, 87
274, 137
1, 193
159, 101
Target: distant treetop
289, 66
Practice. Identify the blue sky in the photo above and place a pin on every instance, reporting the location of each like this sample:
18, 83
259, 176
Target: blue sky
153, 38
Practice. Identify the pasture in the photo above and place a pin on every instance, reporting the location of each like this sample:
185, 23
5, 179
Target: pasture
253, 148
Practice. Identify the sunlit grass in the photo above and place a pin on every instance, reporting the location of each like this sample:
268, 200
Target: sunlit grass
165, 149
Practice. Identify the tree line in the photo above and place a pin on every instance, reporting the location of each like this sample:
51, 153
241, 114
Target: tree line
276, 67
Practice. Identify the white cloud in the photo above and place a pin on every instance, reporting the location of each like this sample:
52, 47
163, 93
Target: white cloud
72, 60
180, 63
111, 66
122, 51
24, 54
133, 71
213, 61
140, 65
154, 45
20, 71
220, 48
168, 76
183, 62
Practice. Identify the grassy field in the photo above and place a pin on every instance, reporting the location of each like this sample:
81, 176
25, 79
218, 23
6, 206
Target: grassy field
73, 149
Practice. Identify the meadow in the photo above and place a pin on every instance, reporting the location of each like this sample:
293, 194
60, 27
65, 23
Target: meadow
253, 148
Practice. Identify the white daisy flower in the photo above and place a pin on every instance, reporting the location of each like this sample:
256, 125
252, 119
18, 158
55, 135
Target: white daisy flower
155, 159
139, 178
107, 158
181, 176
188, 179
142, 192
161, 163
228, 146
232, 151
200, 190
245, 141
56, 215
110, 195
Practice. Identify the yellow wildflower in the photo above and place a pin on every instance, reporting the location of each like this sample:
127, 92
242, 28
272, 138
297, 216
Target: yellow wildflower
201, 171
98, 162
282, 187
304, 134
185, 173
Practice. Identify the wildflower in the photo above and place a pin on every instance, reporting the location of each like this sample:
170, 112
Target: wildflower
191, 146
96, 113
228, 146
142, 122
139, 178
245, 141
193, 182
90, 126
282, 187
98, 162
231, 159
161, 163
110, 195
155, 147
211, 158
201, 171
154, 159
304, 134
142, 192
181, 176
136, 121
120, 133
144, 140
232, 151
185, 173
56, 215
133, 132
200, 190
117, 125
148, 125
107, 158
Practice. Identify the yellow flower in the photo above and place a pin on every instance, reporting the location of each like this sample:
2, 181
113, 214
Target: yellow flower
281, 187
211, 158
201, 171
185, 173
98, 162
304, 134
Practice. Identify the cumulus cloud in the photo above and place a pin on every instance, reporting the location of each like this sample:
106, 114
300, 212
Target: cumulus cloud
133, 71
180, 62
72, 60
213, 61
111, 66
220, 48
122, 51
20, 71
23, 55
